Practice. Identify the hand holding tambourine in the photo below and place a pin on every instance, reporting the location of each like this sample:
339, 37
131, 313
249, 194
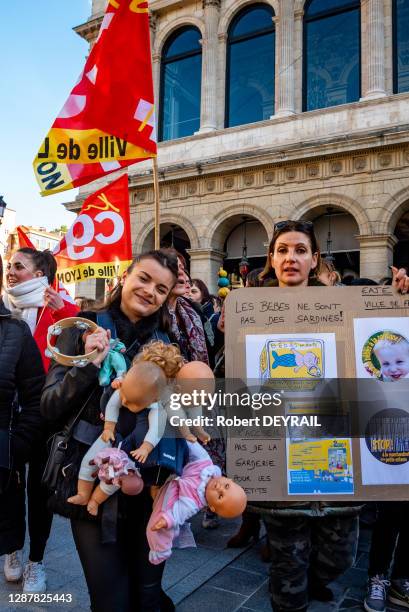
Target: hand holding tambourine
96, 342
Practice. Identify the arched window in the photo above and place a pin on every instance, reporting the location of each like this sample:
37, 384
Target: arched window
250, 66
401, 45
180, 84
332, 50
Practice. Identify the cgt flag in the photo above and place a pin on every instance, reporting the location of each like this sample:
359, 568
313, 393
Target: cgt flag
108, 121
98, 243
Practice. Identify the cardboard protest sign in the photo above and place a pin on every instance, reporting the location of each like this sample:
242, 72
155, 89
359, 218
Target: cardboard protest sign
108, 120
329, 355
98, 243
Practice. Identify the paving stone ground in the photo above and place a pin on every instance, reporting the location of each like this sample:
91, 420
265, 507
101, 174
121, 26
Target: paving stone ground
211, 578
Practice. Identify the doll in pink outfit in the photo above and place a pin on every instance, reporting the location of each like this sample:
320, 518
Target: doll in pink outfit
200, 485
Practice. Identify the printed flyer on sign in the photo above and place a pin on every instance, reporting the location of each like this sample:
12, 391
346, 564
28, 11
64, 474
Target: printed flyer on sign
382, 353
320, 466
385, 448
291, 356
382, 348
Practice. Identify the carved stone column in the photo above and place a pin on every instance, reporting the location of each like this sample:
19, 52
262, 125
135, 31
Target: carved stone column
376, 254
208, 111
205, 264
285, 91
374, 50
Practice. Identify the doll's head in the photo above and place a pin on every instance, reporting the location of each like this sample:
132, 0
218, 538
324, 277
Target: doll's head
195, 376
393, 358
166, 356
131, 483
143, 384
225, 497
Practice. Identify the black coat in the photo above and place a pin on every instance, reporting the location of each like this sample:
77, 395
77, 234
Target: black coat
67, 389
21, 427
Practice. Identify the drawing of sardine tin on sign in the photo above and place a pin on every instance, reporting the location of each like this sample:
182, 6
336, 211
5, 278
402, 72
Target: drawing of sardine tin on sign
291, 356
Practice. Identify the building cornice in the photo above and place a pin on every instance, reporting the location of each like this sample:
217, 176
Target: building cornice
89, 30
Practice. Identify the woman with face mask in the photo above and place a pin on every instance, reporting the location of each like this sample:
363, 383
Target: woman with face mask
21, 382
29, 295
113, 549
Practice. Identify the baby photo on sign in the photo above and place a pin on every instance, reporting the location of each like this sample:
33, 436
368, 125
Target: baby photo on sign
291, 356
382, 348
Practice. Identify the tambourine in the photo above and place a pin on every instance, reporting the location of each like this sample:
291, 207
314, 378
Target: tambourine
70, 360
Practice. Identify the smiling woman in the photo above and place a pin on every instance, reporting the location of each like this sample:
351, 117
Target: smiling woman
134, 309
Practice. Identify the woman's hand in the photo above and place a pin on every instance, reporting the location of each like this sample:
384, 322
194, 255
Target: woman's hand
400, 280
99, 339
52, 299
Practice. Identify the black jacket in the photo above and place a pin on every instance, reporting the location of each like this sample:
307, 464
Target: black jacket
67, 389
21, 381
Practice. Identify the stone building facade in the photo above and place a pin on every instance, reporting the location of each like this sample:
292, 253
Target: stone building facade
346, 167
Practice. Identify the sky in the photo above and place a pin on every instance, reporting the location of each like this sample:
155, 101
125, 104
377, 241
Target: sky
40, 61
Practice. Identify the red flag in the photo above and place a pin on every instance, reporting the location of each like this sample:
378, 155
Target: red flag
98, 243
108, 121
23, 240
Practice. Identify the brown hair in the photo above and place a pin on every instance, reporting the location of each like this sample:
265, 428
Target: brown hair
174, 253
44, 261
203, 289
162, 257
166, 356
305, 227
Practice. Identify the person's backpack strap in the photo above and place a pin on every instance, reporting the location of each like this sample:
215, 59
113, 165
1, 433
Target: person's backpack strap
105, 320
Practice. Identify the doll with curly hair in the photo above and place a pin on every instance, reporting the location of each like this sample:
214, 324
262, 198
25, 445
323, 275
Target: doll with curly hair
142, 387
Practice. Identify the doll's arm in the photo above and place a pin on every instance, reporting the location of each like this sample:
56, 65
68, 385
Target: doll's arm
179, 412
111, 417
197, 452
182, 510
204, 437
157, 424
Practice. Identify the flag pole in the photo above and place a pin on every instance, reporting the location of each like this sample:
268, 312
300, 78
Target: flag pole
157, 201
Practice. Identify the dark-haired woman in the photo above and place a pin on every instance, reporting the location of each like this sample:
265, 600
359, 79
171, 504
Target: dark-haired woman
21, 382
311, 543
199, 293
188, 326
115, 562
28, 294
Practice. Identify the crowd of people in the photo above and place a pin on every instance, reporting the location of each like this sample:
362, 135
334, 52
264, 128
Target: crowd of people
310, 544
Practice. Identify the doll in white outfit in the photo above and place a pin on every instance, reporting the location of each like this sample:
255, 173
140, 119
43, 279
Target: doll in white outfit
142, 387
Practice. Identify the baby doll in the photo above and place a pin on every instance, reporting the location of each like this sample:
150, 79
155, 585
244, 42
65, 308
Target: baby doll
200, 485
140, 388
193, 376
393, 358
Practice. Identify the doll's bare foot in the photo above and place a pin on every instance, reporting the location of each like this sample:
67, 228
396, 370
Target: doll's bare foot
187, 434
79, 500
202, 435
92, 507
84, 490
